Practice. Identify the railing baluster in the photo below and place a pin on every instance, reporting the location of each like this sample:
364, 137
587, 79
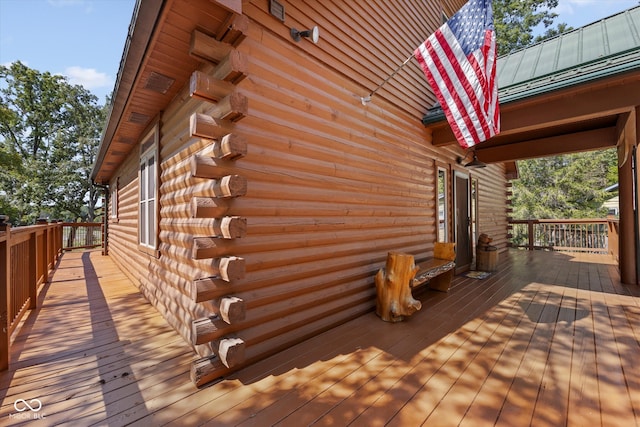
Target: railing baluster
82, 235
27, 254
579, 235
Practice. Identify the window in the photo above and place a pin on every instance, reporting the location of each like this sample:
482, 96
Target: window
114, 199
148, 191
443, 202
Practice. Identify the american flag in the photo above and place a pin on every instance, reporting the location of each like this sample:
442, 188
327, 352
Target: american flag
459, 60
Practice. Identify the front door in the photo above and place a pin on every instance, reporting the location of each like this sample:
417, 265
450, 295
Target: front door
462, 221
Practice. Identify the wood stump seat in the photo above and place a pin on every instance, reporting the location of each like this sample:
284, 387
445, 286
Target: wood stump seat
394, 282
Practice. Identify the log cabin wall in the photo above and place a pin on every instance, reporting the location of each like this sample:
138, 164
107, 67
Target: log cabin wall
326, 188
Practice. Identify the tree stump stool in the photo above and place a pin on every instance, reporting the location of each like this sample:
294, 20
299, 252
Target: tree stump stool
393, 285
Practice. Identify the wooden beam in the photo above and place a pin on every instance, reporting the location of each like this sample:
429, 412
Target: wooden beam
227, 269
563, 107
230, 186
570, 143
626, 128
232, 268
206, 289
233, 68
5, 294
207, 329
207, 247
637, 195
208, 207
230, 227
230, 351
209, 88
207, 48
234, 31
203, 166
206, 370
230, 147
232, 309
204, 126
626, 138
233, 107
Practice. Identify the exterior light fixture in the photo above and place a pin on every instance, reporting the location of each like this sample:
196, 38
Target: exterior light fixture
312, 34
474, 163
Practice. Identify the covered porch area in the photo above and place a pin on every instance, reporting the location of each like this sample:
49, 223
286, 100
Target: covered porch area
549, 339
572, 93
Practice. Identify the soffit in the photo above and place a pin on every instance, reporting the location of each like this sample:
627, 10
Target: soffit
155, 66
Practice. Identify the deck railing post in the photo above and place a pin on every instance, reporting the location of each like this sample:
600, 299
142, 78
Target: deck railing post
58, 239
34, 254
531, 236
5, 292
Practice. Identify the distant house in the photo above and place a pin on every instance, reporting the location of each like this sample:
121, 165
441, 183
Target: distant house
612, 204
252, 196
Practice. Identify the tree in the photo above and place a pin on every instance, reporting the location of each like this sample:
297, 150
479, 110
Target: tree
568, 186
552, 32
514, 21
49, 132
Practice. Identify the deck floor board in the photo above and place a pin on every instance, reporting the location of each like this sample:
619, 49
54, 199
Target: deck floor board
549, 339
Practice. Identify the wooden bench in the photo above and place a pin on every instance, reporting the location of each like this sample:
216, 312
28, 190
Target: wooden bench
439, 270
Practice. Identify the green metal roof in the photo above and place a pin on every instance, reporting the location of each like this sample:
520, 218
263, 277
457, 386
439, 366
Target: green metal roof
601, 49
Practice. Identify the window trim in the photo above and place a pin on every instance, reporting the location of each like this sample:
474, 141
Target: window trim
113, 212
441, 167
149, 149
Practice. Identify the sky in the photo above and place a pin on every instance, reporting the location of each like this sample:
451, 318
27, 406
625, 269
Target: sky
578, 13
80, 39
84, 39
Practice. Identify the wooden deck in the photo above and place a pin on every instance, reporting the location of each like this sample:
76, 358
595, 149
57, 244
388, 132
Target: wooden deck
548, 340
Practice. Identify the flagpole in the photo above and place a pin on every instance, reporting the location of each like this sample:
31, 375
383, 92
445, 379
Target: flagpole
366, 99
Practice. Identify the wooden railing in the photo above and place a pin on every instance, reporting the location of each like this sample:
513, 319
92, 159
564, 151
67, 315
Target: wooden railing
27, 256
82, 235
570, 235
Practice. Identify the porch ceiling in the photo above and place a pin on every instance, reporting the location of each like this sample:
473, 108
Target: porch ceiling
575, 119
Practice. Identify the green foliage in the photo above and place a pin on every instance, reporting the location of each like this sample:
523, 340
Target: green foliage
49, 132
515, 20
552, 32
569, 186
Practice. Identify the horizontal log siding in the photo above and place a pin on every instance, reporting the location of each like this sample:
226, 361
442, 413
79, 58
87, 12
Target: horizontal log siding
332, 185
161, 280
364, 41
492, 204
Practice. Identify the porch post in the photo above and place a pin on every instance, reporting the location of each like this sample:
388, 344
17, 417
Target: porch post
628, 230
5, 293
636, 171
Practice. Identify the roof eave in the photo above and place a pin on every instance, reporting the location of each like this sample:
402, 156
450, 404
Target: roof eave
141, 29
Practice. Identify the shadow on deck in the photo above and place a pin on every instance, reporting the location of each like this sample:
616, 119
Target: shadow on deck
549, 339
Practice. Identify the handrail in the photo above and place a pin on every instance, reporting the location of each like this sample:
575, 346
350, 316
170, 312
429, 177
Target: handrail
597, 235
82, 235
27, 255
